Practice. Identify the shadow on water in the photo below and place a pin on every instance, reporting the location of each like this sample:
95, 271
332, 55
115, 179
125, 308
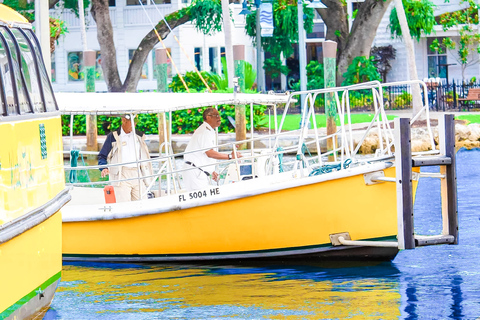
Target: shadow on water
438, 282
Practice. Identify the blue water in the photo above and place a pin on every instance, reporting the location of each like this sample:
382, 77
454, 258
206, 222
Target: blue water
437, 282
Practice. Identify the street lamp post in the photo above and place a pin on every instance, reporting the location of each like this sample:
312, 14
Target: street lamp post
260, 77
302, 51
245, 11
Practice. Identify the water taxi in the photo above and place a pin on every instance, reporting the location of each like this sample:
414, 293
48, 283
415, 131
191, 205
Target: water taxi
32, 181
289, 197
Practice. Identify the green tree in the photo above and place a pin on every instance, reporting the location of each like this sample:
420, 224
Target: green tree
420, 18
315, 76
206, 16
464, 22
285, 33
352, 41
362, 69
467, 40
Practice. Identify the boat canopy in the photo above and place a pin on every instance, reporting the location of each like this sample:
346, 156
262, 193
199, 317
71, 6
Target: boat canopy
10, 16
113, 103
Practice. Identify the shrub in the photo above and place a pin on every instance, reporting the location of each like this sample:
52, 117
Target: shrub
361, 70
183, 121
403, 100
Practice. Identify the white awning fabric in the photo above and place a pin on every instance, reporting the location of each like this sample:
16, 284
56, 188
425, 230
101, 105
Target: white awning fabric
149, 102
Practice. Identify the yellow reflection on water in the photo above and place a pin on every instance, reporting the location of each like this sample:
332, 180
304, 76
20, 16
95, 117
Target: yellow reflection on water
280, 293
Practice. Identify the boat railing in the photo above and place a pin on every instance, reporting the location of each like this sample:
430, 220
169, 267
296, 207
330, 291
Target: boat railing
379, 124
167, 164
345, 148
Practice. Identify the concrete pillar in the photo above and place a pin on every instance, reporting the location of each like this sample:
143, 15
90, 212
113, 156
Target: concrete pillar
240, 121
329, 65
161, 69
89, 58
161, 65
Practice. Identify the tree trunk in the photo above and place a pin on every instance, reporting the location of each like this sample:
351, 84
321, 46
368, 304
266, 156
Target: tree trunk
412, 68
101, 15
146, 45
364, 29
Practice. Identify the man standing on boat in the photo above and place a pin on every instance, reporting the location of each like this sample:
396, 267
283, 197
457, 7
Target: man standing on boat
120, 147
203, 162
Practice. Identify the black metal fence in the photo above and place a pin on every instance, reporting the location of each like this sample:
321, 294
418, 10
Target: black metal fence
441, 97
444, 96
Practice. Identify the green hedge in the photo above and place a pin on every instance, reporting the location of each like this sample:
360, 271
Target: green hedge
184, 121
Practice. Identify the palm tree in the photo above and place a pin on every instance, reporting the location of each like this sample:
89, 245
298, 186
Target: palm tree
412, 69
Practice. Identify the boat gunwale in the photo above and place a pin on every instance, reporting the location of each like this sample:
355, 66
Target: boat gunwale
138, 208
27, 221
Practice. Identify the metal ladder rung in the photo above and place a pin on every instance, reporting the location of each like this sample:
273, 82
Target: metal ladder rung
431, 240
431, 161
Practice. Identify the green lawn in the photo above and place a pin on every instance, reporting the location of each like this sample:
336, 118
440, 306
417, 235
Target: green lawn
471, 118
292, 121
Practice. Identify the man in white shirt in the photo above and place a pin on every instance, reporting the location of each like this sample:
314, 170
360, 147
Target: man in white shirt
202, 163
120, 147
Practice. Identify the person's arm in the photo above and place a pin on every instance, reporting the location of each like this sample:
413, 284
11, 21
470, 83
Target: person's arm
221, 156
102, 156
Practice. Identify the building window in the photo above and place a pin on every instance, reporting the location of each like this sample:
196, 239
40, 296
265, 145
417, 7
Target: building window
145, 65
98, 67
169, 64
222, 56
318, 31
198, 58
213, 59
112, 3
75, 66
436, 61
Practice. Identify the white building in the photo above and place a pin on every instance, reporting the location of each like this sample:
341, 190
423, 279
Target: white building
131, 22
430, 64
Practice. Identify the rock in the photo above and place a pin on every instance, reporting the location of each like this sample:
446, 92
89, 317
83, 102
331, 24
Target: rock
461, 132
467, 144
370, 144
474, 132
421, 140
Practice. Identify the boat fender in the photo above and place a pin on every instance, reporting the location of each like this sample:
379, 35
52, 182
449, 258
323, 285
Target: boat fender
109, 192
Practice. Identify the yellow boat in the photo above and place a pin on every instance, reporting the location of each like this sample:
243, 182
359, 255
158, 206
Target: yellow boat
32, 183
334, 204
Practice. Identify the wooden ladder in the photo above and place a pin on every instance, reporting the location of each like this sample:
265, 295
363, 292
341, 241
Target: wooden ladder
404, 163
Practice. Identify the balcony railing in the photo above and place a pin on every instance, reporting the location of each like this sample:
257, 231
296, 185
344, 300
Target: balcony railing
136, 15
132, 16
73, 22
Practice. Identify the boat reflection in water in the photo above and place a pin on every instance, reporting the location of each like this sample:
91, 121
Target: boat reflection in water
121, 291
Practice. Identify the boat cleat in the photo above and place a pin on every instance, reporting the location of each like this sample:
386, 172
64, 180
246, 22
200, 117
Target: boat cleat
334, 238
